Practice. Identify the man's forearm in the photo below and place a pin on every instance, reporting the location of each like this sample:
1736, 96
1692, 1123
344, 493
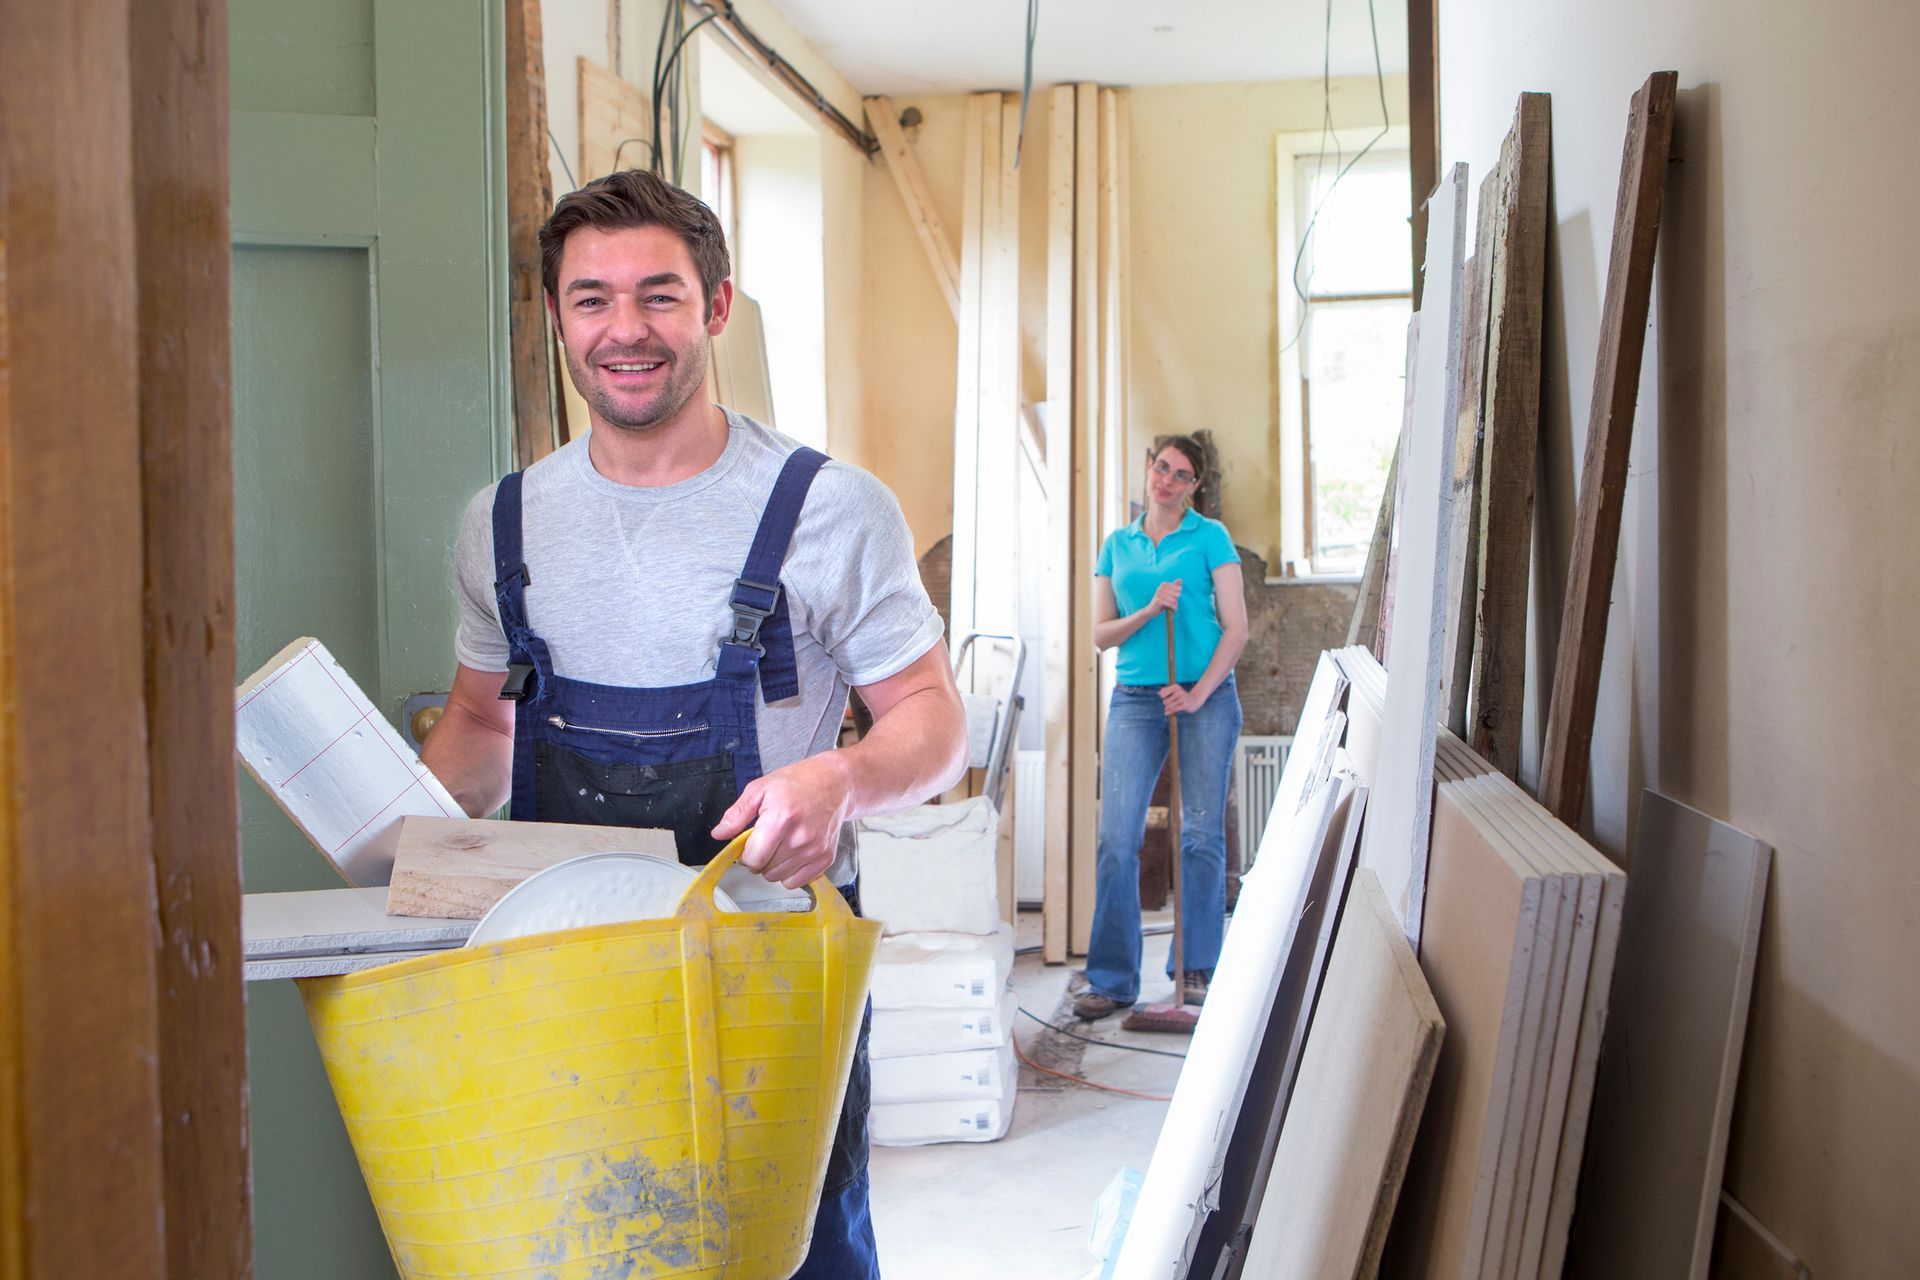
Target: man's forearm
915, 751
472, 759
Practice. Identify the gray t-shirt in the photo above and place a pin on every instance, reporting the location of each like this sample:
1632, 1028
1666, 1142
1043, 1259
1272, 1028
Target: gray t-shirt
630, 585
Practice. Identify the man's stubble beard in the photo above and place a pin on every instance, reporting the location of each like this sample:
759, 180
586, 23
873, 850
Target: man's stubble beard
684, 381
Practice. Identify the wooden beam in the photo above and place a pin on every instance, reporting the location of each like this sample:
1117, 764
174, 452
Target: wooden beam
184, 254
912, 185
1512, 438
967, 380
1114, 462
1086, 500
1462, 585
1603, 475
529, 201
80, 1050
1059, 457
1423, 123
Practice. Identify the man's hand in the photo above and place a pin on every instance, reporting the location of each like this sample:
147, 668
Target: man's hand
1177, 699
796, 814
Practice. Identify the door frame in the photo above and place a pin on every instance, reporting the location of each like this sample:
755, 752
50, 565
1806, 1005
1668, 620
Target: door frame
123, 1140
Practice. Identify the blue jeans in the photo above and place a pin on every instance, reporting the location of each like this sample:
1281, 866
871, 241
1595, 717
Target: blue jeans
843, 1246
1134, 753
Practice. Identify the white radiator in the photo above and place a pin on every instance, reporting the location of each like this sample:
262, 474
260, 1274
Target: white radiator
1257, 762
1029, 825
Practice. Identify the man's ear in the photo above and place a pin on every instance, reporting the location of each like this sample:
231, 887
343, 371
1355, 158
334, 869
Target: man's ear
553, 314
721, 308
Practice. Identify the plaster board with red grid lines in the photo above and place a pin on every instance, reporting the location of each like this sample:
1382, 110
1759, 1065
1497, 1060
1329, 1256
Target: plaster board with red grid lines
311, 738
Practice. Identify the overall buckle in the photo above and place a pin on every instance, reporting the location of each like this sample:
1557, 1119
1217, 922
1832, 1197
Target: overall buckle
748, 616
515, 688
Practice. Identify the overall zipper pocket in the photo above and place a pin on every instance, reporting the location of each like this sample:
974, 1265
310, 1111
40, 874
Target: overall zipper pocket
561, 722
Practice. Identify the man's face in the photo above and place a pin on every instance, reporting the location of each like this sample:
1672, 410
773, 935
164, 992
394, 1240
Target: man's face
634, 323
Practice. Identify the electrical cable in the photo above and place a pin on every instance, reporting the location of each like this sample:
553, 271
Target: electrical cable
1091, 1084
1026, 79
739, 33
561, 156
1326, 130
1105, 1044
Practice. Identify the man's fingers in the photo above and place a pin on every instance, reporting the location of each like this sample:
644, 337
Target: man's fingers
740, 814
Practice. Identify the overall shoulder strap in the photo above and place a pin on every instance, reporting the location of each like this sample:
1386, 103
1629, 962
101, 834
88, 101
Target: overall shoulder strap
510, 580
760, 619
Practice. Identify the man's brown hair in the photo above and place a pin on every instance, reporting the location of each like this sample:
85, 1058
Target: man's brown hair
637, 198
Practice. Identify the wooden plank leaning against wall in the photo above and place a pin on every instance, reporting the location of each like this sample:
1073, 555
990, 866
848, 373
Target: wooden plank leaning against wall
122, 1058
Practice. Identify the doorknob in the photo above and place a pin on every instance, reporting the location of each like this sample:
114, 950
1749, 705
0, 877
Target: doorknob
419, 714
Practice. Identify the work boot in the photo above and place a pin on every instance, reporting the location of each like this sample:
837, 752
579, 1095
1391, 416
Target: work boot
1091, 1006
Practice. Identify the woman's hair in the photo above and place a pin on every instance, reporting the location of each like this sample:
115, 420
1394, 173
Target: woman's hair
1196, 457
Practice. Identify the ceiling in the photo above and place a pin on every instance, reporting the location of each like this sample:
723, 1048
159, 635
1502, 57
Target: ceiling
943, 46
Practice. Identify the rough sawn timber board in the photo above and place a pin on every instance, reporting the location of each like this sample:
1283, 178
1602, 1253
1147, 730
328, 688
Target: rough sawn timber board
1463, 541
1363, 1083
456, 868
1058, 653
1510, 439
529, 201
1651, 1187
1603, 474
1400, 798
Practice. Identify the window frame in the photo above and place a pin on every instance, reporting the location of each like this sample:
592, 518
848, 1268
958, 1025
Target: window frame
725, 202
1293, 482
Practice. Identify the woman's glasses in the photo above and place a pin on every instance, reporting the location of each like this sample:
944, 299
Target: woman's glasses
1180, 474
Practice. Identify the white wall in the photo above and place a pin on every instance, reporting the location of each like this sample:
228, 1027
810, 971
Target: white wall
780, 265
1768, 594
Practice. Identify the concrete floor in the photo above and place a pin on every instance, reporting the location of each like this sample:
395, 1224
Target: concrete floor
1018, 1209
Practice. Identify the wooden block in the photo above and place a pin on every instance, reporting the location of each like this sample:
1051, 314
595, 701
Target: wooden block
912, 185
1399, 807
1363, 1085
1603, 474
456, 868
342, 773
1663, 1101
1511, 439
1060, 557
1482, 919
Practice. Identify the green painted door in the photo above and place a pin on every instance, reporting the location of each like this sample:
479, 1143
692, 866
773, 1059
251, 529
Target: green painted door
369, 402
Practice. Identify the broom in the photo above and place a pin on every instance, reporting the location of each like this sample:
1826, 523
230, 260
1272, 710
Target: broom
1178, 1017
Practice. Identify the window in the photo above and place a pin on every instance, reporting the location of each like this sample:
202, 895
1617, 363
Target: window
1346, 281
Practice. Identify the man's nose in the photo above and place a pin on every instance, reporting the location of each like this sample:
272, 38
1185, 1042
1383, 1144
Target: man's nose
630, 322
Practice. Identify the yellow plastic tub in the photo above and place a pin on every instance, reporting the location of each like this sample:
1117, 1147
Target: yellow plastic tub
640, 1100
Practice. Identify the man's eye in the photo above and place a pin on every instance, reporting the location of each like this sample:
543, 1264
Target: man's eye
588, 302
663, 297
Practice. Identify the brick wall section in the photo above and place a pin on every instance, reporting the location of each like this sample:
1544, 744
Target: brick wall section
1288, 624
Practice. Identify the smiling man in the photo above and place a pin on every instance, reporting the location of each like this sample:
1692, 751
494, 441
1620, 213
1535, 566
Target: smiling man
660, 622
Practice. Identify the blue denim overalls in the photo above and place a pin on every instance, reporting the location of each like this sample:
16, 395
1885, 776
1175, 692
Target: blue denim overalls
678, 757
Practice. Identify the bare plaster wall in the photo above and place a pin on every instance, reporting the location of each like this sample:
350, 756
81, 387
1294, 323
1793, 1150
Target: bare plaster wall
1767, 594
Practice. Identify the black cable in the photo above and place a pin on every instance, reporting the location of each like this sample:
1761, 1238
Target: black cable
1326, 124
561, 156
1026, 79
1104, 1044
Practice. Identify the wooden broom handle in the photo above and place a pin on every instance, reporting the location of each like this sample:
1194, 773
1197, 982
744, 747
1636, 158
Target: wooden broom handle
1173, 827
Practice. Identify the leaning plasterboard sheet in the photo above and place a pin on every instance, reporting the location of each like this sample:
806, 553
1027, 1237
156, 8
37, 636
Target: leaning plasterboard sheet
1315, 737
1182, 1181
1400, 803
320, 749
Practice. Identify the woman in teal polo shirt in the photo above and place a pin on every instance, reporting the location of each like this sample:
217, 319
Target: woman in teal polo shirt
1172, 564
